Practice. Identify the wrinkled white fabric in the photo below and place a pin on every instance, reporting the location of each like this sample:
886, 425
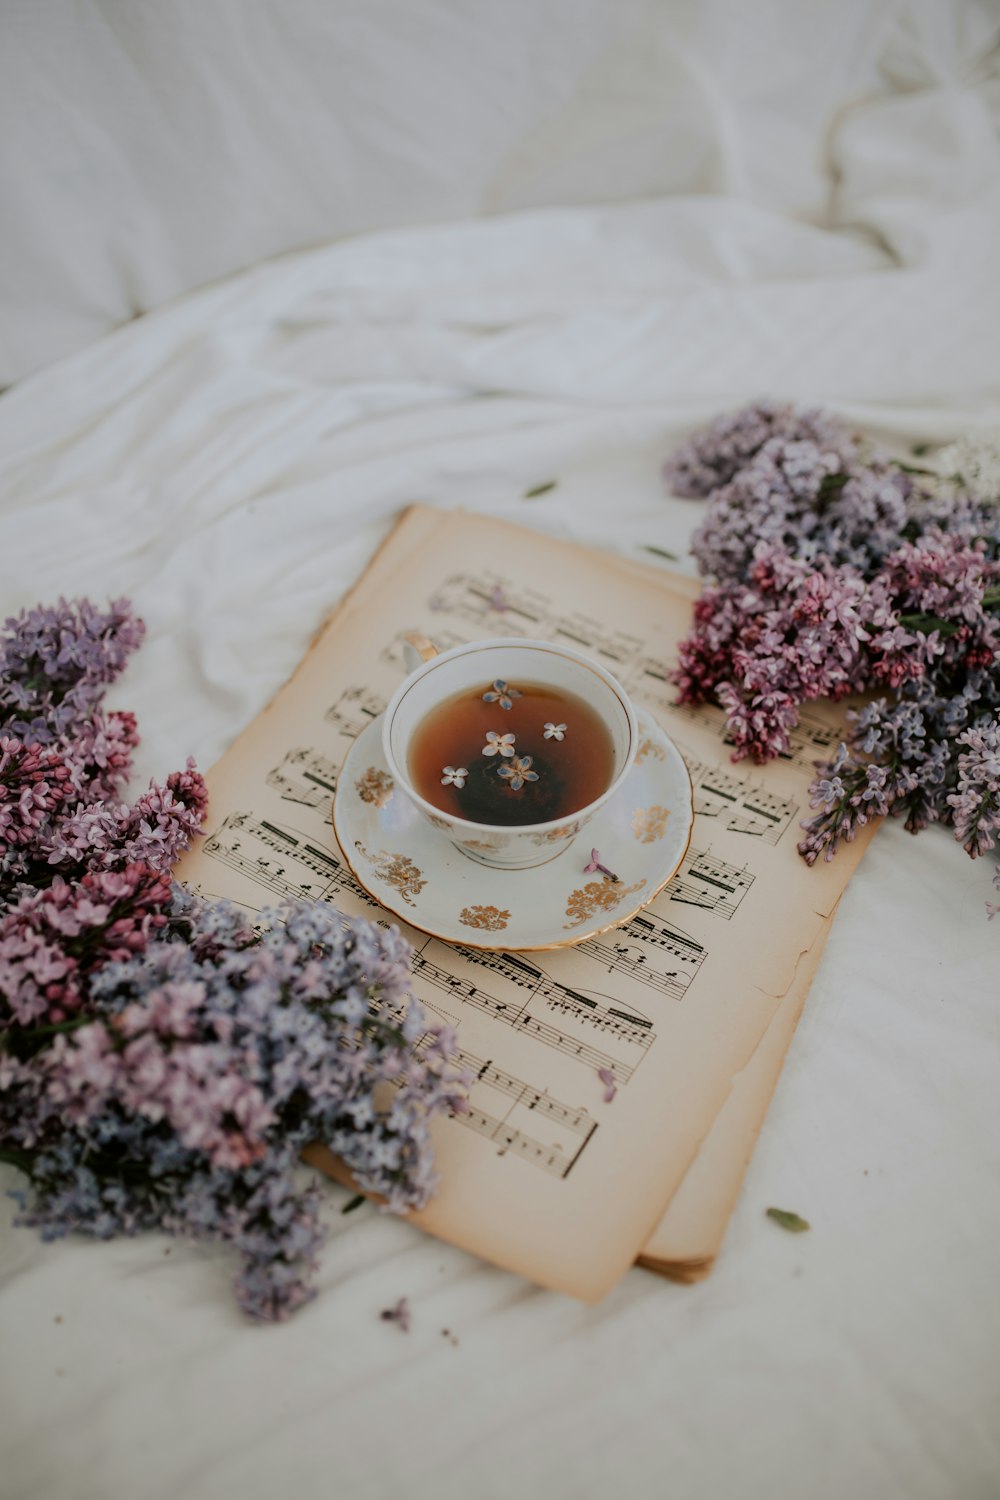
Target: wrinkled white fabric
148, 148
231, 462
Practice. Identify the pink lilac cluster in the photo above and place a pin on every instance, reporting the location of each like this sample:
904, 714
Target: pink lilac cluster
64, 761
52, 941
837, 570
162, 1064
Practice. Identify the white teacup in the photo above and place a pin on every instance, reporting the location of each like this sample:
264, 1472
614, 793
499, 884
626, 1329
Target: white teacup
441, 676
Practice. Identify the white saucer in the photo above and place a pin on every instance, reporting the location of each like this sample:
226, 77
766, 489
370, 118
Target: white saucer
419, 875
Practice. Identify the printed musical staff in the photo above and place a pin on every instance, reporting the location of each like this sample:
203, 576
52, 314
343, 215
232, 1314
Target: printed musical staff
289, 864
647, 948
710, 883
354, 710
649, 675
738, 803
521, 971
282, 859
525, 1115
811, 739
521, 612
305, 777
527, 612
627, 1034
651, 950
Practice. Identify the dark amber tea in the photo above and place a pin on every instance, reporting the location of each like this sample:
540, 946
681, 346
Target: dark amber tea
510, 755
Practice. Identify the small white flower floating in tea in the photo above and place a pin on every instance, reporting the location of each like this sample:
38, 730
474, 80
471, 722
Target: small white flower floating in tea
517, 772
499, 744
452, 776
555, 731
501, 693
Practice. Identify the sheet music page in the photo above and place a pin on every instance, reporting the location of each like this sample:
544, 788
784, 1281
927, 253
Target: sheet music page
687, 1239
542, 1176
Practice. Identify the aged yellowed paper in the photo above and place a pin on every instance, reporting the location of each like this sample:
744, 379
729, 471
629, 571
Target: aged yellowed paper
686, 1241
542, 1175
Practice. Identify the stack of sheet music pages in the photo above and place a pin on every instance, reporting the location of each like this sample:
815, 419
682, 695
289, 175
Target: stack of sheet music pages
690, 1005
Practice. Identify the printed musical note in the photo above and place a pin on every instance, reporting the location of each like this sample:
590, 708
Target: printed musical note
651, 950
306, 777
811, 739
354, 710
650, 673
527, 612
289, 864
740, 804
284, 860
623, 1032
710, 883
523, 611
520, 1125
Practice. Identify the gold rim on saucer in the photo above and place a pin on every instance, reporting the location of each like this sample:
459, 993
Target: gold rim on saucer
373, 791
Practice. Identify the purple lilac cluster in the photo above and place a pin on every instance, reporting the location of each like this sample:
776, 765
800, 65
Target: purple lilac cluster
185, 1096
838, 570
162, 1064
64, 761
712, 458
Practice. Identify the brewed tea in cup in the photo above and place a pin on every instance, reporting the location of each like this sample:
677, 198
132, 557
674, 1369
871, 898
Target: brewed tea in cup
547, 756
509, 746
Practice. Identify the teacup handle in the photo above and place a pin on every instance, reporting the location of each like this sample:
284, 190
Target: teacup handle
417, 649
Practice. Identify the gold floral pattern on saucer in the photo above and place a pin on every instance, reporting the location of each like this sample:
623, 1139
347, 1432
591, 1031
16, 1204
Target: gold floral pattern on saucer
598, 896
397, 870
650, 747
413, 872
375, 786
486, 918
650, 823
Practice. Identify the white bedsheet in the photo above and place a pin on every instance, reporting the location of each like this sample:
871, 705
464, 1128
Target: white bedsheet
148, 148
231, 462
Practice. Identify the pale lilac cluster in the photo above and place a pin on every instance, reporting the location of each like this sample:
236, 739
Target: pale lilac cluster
108, 835
162, 1064
711, 459
838, 570
975, 803
803, 498
815, 491
56, 664
186, 1097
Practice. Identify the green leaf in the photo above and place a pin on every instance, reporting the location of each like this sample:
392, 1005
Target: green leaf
831, 484
915, 469
540, 489
661, 552
16, 1158
355, 1202
926, 623
792, 1222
